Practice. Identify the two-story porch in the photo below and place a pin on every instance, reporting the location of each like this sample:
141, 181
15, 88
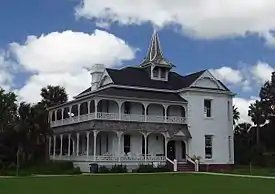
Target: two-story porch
110, 129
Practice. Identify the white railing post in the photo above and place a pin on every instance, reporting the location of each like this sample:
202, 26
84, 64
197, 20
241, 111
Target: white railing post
175, 165
197, 165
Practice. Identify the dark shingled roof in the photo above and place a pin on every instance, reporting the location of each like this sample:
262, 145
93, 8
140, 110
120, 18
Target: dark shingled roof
134, 76
139, 77
145, 94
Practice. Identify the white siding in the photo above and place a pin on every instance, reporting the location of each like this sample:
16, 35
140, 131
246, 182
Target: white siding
218, 126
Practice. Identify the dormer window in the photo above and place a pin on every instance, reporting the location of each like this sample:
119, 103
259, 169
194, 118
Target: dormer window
160, 73
155, 72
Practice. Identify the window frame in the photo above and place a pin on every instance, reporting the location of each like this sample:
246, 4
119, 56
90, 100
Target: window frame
207, 110
207, 146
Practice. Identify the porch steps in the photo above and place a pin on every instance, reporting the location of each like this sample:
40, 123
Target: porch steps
185, 167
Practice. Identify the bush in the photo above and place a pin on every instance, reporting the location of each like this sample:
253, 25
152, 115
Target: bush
103, 169
51, 168
149, 168
119, 169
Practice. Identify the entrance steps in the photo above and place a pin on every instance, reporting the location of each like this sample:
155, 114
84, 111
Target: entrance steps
186, 167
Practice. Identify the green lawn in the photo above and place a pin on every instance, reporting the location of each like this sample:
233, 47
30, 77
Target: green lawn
257, 171
139, 184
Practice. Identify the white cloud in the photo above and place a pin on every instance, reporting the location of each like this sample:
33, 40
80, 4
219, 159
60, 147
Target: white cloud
243, 105
228, 75
70, 51
199, 18
63, 58
74, 83
261, 72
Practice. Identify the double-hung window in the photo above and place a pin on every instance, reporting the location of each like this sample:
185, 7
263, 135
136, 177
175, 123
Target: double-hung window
207, 108
208, 146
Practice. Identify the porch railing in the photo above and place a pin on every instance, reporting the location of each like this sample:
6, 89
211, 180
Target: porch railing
115, 116
110, 158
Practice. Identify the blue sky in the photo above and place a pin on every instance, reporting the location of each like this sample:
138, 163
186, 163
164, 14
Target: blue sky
55, 42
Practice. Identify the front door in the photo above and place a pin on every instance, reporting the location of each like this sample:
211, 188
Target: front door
171, 153
183, 150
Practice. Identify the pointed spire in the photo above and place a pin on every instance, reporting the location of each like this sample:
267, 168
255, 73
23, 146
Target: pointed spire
154, 54
154, 50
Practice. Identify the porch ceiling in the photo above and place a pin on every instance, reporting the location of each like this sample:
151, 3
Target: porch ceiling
173, 130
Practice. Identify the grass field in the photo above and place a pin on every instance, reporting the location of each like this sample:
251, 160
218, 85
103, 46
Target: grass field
137, 184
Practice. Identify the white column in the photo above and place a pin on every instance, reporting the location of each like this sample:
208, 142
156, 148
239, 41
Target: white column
77, 144
70, 111
145, 111
78, 109
55, 115
89, 104
69, 144
54, 144
73, 147
62, 114
119, 109
119, 133
50, 144
88, 142
61, 144
145, 145
95, 134
96, 102
165, 146
165, 113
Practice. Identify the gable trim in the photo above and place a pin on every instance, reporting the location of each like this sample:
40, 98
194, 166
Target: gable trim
212, 78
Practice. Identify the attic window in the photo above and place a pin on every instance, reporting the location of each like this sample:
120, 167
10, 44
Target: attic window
155, 72
162, 73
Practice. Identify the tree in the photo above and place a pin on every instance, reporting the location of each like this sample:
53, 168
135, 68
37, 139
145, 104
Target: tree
236, 115
256, 112
8, 109
53, 95
267, 96
8, 116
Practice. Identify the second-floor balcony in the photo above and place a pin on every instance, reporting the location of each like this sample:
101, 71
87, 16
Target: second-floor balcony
106, 109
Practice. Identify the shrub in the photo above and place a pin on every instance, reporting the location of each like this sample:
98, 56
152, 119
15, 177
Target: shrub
119, 168
51, 168
149, 168
103, 169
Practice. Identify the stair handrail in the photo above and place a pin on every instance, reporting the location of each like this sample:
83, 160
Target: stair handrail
194, 162
169, 160
175, 164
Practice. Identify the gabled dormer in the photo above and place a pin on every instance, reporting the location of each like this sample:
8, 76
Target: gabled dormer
155, 63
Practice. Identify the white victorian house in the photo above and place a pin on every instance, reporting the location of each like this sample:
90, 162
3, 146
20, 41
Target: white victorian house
146, 114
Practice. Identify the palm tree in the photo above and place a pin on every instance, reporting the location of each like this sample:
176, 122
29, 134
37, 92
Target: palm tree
236, 115
256, 112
